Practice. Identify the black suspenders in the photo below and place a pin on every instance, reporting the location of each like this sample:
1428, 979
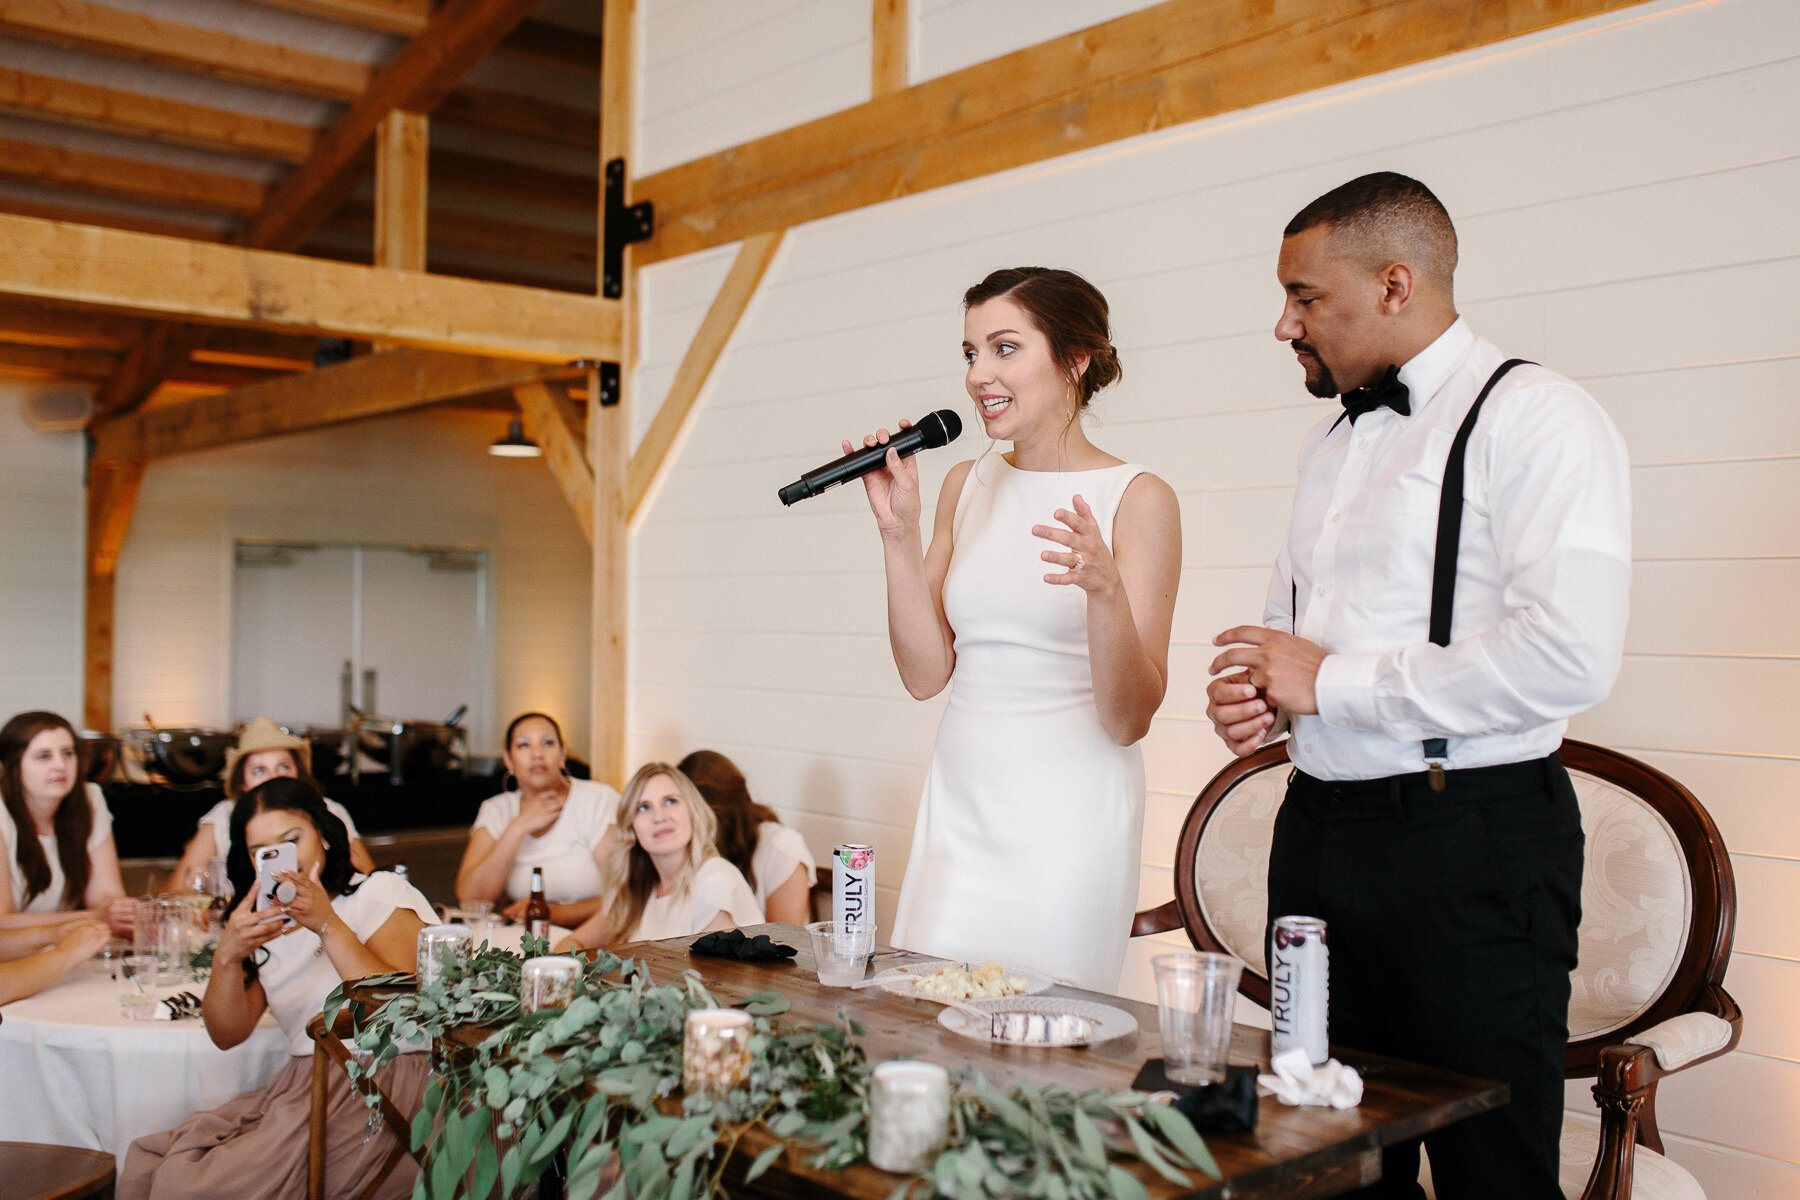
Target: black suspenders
1449, 541
1443, 566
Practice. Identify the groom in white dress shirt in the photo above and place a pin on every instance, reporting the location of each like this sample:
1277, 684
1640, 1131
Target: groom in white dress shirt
1426, 663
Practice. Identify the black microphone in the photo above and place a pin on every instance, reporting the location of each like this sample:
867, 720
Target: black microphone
931, 431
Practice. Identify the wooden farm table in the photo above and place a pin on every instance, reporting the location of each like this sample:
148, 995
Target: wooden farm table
1295, 1153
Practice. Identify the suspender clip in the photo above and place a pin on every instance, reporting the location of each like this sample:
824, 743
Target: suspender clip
1434, 772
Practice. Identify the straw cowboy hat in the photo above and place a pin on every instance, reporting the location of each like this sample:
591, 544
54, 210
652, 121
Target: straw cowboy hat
263, 734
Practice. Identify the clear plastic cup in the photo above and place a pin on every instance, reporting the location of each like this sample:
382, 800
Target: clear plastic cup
478, 915
841, 951
1195, 996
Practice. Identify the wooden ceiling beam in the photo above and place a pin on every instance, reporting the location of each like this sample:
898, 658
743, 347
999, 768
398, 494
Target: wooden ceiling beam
98, 29
56, 362
33, 322
521, 116
451, 230
1169, 64
203, 282
72, 102
390, 16
131, 178
400, 186
890, 46
550, 420
458, 172
371, 386
81, 215
558, 46
458, 36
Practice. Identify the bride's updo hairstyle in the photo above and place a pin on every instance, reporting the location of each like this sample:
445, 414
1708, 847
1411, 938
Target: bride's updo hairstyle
1069, 311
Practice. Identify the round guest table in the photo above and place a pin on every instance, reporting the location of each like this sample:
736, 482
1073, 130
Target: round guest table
76, 1071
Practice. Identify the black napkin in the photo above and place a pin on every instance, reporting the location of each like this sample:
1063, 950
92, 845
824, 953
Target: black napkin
732, 943
1228, 1107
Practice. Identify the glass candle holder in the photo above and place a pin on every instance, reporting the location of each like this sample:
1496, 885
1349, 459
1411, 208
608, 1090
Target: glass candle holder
909, 1115
549, 982
441, 948
715, 1051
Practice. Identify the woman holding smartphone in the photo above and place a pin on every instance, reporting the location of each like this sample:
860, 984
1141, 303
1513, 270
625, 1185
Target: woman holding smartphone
286, 958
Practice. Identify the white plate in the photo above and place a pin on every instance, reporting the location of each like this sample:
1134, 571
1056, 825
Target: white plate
899, 980
1109, 1022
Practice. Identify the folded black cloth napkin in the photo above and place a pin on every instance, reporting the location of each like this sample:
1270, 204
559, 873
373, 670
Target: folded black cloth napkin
1228, 1107
732, 943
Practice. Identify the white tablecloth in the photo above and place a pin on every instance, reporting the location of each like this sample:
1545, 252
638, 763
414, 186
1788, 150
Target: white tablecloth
75, 1071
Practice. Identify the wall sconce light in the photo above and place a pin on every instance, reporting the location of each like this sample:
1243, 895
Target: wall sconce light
515, 444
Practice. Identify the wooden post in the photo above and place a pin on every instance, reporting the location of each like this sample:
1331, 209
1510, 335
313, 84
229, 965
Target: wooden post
609, 430
891, 29
112, 494
401, 142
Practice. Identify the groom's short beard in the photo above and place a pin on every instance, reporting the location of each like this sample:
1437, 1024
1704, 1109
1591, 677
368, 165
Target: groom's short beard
1320, 383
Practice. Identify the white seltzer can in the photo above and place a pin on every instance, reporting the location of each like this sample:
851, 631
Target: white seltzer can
853, 885
1299, 987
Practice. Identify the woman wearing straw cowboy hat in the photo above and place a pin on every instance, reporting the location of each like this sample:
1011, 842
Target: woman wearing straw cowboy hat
264, 751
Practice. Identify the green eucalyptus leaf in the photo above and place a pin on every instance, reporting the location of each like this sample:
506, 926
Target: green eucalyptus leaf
764, 1161
1180, 1133
1124, 1185
765, 1004
487, 1167
1146, 1148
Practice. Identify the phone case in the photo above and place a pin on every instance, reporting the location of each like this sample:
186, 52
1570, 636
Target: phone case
271, 860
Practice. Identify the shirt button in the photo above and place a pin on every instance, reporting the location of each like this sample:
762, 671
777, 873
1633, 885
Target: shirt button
1336, 517
1319, 592
1363, 444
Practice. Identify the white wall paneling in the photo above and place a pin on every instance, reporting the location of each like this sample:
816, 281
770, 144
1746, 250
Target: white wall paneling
1623, 189
43, 534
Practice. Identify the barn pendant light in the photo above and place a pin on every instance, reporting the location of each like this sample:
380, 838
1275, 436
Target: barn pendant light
515, 444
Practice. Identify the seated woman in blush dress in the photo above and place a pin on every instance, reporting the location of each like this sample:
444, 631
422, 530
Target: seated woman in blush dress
672, 880
774, 858
286, 959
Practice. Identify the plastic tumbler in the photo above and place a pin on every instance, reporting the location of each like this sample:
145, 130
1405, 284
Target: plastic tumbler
1195, 995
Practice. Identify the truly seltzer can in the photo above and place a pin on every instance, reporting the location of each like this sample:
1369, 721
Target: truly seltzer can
853, 885
1299, 986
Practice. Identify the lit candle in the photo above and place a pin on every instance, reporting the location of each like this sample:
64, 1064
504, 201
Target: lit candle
441, 947
909, 1115
549, 982
715, 1051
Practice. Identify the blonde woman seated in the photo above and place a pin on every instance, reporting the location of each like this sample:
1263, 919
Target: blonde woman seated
674, 881
56, 844
549, 820
285, 960
264, 751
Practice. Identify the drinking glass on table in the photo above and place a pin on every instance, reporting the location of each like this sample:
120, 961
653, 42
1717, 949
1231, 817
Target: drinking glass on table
1195, 995
841, 951
137, 972
174, 919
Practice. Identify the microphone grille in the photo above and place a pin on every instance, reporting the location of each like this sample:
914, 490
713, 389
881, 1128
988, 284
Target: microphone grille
941, 428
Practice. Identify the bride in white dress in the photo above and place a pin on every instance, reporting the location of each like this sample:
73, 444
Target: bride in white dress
1026, 847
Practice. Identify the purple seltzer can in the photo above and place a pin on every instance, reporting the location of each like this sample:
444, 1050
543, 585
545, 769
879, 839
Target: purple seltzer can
1299, 987
853, 885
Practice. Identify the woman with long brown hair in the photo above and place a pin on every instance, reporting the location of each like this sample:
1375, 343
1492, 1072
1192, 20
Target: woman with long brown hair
1027, 839
56, 844
773, 858
672, 880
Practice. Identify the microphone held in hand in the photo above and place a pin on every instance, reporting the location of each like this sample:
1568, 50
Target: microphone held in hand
936, 429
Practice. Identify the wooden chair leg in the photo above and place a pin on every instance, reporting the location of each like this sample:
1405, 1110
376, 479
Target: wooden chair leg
315, 1133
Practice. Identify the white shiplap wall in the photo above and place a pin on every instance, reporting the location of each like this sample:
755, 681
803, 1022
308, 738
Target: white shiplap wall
42, 533
414, 479
1624, 190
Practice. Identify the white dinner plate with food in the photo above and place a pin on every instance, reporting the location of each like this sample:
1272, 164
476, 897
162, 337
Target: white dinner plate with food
945, 981
1105, 1021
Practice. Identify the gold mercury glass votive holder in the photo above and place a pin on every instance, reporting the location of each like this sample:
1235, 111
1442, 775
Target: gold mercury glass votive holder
715, 1051
441, 947
551, 981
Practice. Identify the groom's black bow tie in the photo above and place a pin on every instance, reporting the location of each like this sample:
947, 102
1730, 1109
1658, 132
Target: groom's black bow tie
1386, 392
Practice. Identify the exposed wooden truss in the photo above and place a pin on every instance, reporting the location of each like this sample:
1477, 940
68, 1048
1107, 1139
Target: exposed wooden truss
1166, 65
371, 386
201, 281
111, 497
890, 53
550, 421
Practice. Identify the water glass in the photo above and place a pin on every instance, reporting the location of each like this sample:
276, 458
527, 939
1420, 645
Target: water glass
478, 915
552, 981
1195, 996
909, 1115
440, 949
715, 1051
137, 972
174, 920
841, 951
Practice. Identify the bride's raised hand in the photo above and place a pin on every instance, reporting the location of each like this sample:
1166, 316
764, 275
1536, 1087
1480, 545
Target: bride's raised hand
893, 489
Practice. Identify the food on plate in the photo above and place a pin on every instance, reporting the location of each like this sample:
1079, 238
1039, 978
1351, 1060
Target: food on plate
958, 981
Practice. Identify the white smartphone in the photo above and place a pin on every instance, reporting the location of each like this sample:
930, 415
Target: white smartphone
270, 861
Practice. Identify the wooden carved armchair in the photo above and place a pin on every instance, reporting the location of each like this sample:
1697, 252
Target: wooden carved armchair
1658, 904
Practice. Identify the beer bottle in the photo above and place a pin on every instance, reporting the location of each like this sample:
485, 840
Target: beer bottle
537, 909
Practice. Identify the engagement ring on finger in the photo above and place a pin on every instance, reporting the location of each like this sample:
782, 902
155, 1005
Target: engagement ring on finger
1080, 562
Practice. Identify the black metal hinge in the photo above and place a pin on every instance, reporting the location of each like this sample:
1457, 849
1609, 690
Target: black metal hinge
623, 226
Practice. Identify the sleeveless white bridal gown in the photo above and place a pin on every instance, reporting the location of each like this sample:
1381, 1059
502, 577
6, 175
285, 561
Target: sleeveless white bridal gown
1027, 841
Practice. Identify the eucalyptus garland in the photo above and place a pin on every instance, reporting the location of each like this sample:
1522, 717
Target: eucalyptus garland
583, 1083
